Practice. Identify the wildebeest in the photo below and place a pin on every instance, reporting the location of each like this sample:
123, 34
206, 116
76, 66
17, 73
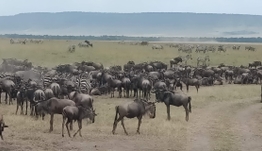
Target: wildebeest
175, 61
136, 108
2, 126
175, 99
55, 106
7, 86
191, 82
21, 98
77, 114
255, 64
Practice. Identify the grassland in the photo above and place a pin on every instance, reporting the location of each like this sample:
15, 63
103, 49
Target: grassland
226, 117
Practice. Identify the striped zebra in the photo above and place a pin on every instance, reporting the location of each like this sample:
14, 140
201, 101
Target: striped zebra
83, 84
47, 81
203, 61
187, 57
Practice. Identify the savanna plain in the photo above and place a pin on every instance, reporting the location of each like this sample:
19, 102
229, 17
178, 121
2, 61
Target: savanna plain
226, 117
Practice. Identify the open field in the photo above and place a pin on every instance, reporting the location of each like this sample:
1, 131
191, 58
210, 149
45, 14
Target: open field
55, 52
226, 117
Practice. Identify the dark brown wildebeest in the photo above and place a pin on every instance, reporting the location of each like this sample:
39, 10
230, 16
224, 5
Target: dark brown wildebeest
175, 61
136, 108
21, 98
81, 99
2, 126
114, 83
55, 106
175, 99
8, 87
254, 64
77, 114
191, 82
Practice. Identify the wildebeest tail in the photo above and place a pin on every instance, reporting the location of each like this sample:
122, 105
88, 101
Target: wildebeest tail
117, 110
189, 103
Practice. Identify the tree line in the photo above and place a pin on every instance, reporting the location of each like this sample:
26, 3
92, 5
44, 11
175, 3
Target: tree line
121, 38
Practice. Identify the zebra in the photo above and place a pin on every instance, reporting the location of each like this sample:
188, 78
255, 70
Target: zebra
187, 57
250, 48
71, 48
236, 47
47, 81
81, 44
155, 46
83, 84
203, 60
12, 41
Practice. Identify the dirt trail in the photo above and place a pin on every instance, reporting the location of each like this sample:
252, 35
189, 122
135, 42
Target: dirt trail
250, 134
244, 127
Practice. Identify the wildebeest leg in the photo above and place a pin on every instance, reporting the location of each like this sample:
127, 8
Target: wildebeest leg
22, 107
187, 87
26, 106
139, 123
10, 99
187, 112
6, 98
168, 111
123, 125
17, 106
1, 135
120, 92
67, 122
71, 125
63, 126
79, 128
51, 122
197, 86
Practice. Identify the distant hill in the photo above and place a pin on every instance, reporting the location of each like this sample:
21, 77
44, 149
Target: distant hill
133, 24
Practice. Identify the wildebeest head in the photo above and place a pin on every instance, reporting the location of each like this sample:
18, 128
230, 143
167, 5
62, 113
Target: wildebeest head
151, 109
87, 113
161, 94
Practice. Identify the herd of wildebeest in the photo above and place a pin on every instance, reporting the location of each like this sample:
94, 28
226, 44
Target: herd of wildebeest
69, 89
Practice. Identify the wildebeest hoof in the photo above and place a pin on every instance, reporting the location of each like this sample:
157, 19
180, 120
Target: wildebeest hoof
138, 132
63, 135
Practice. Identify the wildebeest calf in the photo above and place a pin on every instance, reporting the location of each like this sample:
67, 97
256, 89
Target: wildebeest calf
77, 114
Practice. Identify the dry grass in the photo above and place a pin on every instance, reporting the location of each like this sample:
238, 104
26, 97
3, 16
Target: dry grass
223, 117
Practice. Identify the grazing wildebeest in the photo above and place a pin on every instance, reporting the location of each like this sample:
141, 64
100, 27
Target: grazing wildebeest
136, 108
77, 114
175, 99
2, 126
